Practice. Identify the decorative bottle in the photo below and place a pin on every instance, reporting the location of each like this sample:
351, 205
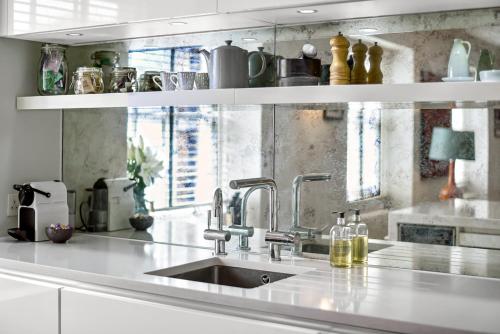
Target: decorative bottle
339, 70
341, 244
358, 73
375, 75
359, 239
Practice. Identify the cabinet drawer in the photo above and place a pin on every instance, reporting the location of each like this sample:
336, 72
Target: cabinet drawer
479, 240
84, 312
28, 307
427, 234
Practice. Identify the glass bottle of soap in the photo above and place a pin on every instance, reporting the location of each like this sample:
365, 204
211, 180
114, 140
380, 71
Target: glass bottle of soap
359, 239
341, 243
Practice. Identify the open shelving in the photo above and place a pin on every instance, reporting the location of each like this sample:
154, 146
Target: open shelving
436, 92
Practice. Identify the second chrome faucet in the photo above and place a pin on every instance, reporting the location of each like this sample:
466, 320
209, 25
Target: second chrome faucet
275, 238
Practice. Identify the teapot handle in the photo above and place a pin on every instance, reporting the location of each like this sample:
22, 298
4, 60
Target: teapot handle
469, 47
264, 64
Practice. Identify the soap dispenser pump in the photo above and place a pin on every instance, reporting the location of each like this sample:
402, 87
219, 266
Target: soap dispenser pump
360, 239
340, 243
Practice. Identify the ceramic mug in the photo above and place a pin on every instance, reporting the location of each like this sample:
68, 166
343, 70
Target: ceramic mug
164, 81
201, 81
183, 80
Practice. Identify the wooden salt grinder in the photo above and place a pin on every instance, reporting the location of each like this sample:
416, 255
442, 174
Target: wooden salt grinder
358, 73
375, 75
339, 70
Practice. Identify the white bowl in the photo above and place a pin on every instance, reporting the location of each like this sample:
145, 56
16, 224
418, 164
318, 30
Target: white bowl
490, 76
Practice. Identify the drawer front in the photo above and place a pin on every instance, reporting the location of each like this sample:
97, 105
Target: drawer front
490, 241
427, 234
84, 312
28, 307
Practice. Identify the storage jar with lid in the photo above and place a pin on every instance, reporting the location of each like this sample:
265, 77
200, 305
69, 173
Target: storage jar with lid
88, 80
53, 70
107, 60
123, 80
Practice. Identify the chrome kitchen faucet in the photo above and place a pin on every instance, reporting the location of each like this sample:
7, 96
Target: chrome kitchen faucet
219, 235
275, 238
304, 232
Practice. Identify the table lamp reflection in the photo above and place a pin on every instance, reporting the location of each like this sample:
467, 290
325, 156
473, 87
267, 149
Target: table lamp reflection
449, 145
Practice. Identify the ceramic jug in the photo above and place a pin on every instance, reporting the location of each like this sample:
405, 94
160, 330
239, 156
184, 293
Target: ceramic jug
486, 62
458, 65
228, 66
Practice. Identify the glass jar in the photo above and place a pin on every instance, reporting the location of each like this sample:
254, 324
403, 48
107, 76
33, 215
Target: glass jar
88, 80
147, 83
53, 70
107, 61
123, 80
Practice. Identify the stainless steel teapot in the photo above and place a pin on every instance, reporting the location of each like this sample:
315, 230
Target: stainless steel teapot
228, 66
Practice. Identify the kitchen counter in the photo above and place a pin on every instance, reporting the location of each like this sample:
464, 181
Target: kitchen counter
464, 213
374, 297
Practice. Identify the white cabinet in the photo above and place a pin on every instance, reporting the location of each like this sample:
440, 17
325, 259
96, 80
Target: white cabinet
24, 17
84, 312
231, 6
28, 307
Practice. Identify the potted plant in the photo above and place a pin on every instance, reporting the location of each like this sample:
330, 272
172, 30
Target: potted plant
143, 168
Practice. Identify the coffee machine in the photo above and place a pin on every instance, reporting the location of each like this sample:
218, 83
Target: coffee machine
40, 205
109, 205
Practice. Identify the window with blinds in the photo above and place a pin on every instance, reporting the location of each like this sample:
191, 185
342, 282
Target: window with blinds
363, 152
184, 138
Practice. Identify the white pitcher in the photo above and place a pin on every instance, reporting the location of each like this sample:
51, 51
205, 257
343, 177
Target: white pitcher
458, 65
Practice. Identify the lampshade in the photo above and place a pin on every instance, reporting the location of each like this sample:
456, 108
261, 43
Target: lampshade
447, 144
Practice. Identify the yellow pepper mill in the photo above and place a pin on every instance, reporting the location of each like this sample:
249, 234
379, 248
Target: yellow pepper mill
339, 70
375, 75
358, 73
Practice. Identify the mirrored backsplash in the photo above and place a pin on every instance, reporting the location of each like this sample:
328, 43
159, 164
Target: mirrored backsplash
377, 155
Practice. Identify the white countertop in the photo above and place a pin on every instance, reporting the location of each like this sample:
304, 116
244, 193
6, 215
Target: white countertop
455, 212
374, 297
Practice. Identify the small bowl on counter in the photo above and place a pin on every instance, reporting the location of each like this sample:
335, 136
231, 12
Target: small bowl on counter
490, 76
141, 222
58, 233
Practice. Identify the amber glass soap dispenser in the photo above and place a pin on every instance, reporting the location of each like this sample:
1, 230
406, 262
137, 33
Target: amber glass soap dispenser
359, 239
341, 243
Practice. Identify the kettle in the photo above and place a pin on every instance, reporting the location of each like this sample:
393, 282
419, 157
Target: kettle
228, 66
96, 217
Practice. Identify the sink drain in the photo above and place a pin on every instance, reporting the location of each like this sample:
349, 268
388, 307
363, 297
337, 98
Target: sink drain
265, 279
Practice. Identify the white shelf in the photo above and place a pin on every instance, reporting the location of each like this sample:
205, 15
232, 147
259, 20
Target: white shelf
120, 100
385, 93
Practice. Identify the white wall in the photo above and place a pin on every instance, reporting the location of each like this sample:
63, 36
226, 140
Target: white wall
30, 141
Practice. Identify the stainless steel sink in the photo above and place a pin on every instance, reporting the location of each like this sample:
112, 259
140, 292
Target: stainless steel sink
324, 249
222, 273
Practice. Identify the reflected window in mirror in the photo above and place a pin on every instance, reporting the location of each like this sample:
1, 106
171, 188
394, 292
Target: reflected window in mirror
363, 151
185, 139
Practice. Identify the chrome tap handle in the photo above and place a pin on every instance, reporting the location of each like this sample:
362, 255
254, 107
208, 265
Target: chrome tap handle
209, 219
219, 235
